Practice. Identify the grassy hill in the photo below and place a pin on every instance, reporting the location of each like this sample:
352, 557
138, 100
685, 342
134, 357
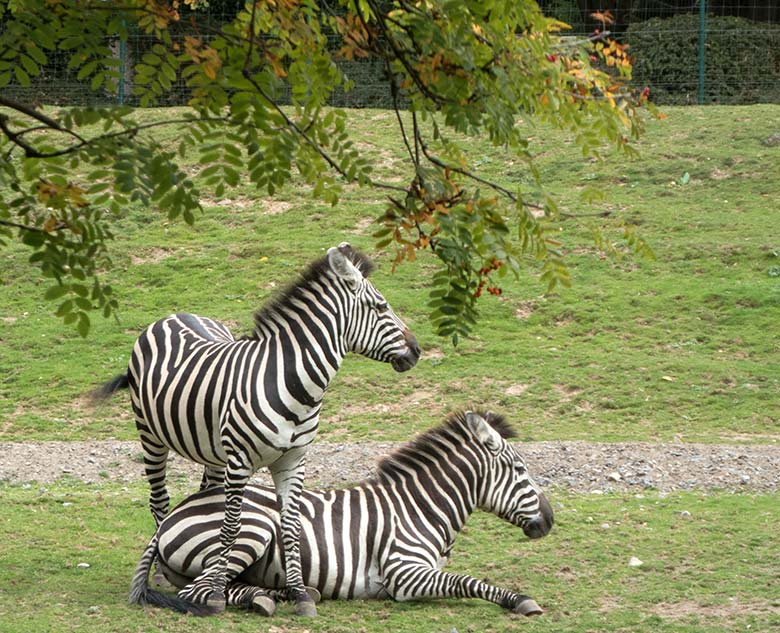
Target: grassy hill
680, 347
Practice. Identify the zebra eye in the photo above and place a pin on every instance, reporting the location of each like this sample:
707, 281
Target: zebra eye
520, 469
382, 307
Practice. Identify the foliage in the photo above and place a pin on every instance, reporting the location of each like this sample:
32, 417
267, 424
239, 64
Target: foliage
742, 59
464, 69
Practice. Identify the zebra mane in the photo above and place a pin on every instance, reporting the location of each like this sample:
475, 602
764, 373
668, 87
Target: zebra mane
452, 430
311, 275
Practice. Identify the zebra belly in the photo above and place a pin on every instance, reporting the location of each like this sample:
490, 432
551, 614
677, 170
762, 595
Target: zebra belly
269, 573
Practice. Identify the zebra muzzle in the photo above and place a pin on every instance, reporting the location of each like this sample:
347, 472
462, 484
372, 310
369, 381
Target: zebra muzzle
408, 359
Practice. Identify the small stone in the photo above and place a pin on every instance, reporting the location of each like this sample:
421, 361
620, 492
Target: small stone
634, 562
93, 610
597, 492
614, 476
745, 479
67, 504
605, 526
684, 513
772, 141
83, 565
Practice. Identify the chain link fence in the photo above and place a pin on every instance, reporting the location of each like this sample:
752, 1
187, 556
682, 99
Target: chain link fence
690, 51
685, 51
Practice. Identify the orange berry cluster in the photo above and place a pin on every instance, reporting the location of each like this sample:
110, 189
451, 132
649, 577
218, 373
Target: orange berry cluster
494, 264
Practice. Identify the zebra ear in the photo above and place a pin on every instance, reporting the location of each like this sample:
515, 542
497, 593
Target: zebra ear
343, 267
485, 433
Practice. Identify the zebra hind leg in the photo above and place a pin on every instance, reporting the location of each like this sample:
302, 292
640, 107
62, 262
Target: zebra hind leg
155, 463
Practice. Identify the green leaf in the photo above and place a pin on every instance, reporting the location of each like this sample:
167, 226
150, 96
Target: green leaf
64, 308
33, 238
22, 77
55, 292
84, 324
30, 66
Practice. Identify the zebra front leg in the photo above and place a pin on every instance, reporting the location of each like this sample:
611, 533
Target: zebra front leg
413, 581
288, 473
259, 600
209, 587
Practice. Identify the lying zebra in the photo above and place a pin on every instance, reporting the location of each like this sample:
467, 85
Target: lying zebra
385, 538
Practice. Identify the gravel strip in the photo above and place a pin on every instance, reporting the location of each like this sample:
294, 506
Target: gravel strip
577, 466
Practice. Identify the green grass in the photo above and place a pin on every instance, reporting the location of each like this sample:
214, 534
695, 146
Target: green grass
678, 348
714, 570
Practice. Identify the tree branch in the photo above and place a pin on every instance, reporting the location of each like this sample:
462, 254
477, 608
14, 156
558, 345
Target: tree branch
33, 229
309, 141
32, 152
31, 112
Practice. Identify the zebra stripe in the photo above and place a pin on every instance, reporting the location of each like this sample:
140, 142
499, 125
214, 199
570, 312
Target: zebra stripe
387, 537
236, 405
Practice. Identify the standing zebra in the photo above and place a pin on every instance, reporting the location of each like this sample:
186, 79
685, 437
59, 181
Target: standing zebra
385, 538
237, 405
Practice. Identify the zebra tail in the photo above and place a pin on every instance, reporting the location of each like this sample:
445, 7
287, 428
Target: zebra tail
142, 594
105, 391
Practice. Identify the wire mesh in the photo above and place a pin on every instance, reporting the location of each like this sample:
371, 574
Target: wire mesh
690, 51
722, 51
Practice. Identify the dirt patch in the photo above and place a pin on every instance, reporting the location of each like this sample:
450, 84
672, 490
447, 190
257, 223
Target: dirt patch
732, 608
525, 309
275, 207
582, 467
361, 226
150, 256
567, 392
517, 389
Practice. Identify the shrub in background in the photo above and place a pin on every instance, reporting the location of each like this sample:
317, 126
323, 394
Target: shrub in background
742, 59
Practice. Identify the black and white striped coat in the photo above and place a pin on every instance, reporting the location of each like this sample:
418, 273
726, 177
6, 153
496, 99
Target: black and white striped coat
386, 538
237, 405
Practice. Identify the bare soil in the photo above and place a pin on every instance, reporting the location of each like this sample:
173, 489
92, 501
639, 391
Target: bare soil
577, 466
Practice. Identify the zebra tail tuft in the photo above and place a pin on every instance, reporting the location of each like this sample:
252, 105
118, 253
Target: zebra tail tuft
142, 594
105, 391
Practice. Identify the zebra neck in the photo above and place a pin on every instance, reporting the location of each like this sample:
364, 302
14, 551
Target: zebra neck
306, 359
437, 499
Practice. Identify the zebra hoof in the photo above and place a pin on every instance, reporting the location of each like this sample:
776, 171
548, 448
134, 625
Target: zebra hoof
314, 594
305, 607
216, 602
263, 605
528, 607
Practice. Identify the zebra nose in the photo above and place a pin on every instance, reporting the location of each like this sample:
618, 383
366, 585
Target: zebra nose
411, 343
537, 527
409, 358
543, 522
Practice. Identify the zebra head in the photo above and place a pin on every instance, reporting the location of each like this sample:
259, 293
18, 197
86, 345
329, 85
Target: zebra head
507, 489
372, 328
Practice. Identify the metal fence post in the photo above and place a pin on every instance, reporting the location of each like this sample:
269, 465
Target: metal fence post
122, 62
702, 41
